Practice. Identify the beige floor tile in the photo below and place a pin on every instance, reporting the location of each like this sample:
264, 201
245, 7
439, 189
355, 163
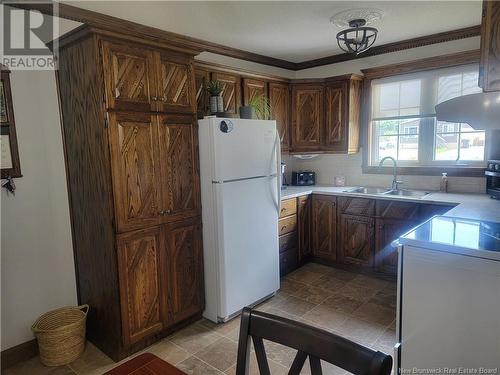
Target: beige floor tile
383, 298
341, 303
330, 283
325, 317
275, 368
304, 276
316, 267
279, 353
195, 366
370, 282
358, 292
221, 354
312, 294
388, 338
168, 351
295, 306
222, 328
194, 338
92, 360
327, 369
290, 286
34, 366
271, 302
360, 331
343, 275
376, 313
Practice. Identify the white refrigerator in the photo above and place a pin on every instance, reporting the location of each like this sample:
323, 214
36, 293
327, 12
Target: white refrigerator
240, 192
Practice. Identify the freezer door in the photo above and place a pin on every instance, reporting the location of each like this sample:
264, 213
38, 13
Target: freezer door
248, 242
243, 148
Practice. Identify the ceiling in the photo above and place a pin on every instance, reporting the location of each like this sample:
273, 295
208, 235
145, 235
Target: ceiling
290, 30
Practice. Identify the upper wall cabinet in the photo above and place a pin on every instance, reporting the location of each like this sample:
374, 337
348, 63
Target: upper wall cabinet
253, 87
231, 86
201, 78
279, 98
140, 79
490, 47
307, 117
326, 116
342, 112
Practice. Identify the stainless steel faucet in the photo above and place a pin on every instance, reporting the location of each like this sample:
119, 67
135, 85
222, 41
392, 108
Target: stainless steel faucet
395, 181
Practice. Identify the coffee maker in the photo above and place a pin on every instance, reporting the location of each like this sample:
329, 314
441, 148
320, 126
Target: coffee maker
283, 178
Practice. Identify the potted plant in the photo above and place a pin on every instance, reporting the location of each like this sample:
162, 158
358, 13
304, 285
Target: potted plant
216, 102
258, 107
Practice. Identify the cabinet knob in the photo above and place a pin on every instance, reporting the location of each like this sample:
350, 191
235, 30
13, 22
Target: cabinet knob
154, 98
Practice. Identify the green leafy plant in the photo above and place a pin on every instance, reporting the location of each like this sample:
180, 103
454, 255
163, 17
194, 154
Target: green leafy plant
261, 106
214, 88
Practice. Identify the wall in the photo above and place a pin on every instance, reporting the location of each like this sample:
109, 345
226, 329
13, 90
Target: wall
37, 271
328, 166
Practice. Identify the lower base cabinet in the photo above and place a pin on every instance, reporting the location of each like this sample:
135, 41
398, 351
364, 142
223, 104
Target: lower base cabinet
324, 227
161, 278
356, 240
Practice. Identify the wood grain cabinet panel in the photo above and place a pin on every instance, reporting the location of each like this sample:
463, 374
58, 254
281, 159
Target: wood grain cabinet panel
201, 78
133, 141
356, 206
324, 227
129, 74
304, 208
335, 130
288, 241
175, 89
179, 161
141, 258
231, 92
397, 210
356, 234
307, 117
279, 100
287, 225
288, 207
288, 261
186, 294
253, 87
489, 78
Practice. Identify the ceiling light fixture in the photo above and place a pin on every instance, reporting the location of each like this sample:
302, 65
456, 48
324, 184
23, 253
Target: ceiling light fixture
358, 38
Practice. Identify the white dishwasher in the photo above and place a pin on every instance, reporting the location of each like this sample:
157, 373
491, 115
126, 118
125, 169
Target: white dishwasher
448, 317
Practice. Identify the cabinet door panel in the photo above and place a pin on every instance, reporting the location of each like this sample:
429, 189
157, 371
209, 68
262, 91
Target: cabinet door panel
179, 163
356, 240
307, 118
143, 295
336, 121
185, 269
231, 92
134, 156
129, 77
324, 227
253, 87
490, 47
279, 98
201, 78
304, 227
388, 230
175, 83
357, 206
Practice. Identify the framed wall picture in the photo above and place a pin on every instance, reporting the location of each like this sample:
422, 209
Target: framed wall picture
9, 154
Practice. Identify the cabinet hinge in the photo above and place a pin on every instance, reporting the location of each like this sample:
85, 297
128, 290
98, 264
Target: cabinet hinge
106, 121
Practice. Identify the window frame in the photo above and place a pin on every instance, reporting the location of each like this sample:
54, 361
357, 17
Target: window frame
451, 167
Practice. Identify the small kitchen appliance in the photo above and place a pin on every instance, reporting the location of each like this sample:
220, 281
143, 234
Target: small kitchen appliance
492, 174
303, 178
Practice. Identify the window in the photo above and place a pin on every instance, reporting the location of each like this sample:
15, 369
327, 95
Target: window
403, 122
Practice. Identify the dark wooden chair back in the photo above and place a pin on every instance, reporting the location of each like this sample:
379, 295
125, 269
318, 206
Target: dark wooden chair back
311, 342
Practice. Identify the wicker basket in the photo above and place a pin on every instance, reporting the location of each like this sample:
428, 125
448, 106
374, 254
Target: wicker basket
61, 335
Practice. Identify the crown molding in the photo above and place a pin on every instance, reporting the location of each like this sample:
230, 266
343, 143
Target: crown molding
114, 24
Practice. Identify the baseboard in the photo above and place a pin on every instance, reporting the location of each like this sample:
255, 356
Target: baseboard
18, 353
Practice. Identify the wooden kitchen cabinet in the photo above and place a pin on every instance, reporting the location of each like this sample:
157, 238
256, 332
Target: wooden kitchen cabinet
304, 207
342, 114
201, 78
324, 227
489, 66
253, 87
141, 262
186, 294
231, 92
287, 232
279, 101
386, 231
307, 117
356, 235
132, 167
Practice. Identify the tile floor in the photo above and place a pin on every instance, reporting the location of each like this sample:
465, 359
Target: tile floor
358, 307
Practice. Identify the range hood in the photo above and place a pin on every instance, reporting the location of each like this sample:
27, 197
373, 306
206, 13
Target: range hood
481, 111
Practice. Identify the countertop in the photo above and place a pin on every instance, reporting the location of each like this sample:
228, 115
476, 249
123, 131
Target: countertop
467, 206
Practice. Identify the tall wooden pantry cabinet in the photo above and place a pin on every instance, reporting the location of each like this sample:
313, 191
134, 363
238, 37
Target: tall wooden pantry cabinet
131, 147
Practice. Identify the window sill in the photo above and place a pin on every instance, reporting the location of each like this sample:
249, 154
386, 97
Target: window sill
428, 171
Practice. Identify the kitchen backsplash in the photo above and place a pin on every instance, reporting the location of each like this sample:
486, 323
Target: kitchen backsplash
329, 166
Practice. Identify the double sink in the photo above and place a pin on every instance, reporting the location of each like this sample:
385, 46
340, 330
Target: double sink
385, 191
